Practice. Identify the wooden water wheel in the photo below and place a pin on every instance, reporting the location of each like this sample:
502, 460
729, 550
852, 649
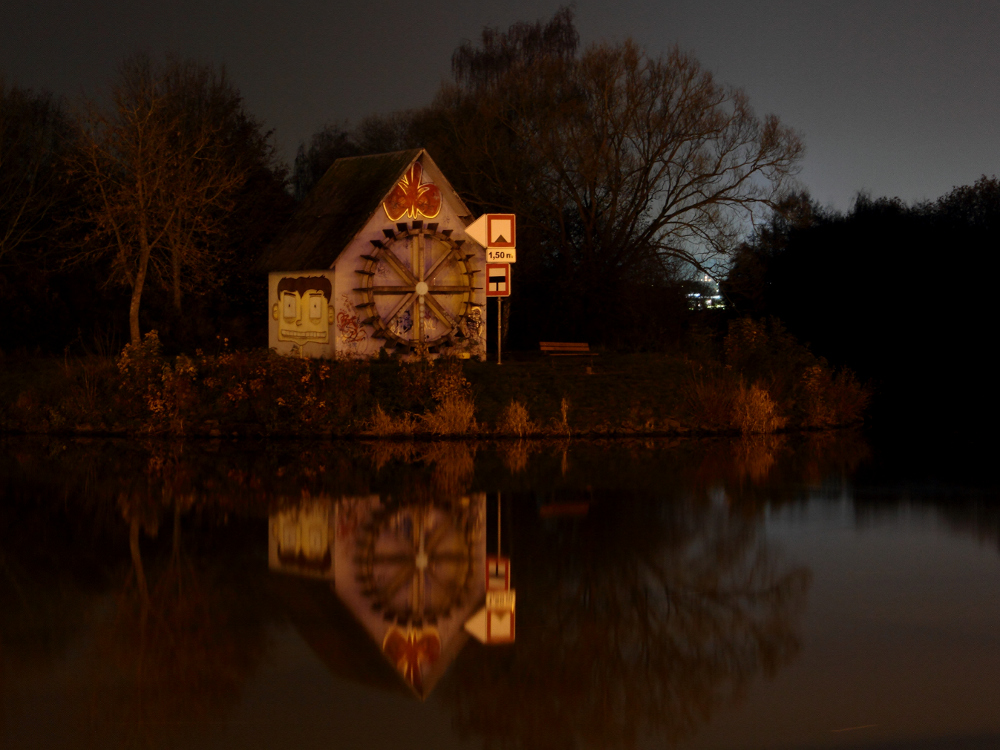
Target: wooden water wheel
417, 286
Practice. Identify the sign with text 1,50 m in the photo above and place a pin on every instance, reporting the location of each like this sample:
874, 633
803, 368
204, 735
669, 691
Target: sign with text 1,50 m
501, 255
498, 234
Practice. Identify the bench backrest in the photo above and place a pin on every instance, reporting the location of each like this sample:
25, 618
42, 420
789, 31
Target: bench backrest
559, 347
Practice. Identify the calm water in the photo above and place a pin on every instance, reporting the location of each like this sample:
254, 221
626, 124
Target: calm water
778, 593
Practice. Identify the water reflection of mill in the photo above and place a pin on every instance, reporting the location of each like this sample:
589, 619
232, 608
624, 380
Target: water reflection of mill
660, 604
411, 573
640, 617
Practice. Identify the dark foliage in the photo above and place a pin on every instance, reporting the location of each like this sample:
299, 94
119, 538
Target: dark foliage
886, 291
377, 134
50, 307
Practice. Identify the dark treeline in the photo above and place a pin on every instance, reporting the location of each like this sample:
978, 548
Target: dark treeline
897, 293
140, 213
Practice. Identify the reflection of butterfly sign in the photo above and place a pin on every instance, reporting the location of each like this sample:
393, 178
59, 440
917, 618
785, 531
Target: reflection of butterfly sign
412, 199
411, 651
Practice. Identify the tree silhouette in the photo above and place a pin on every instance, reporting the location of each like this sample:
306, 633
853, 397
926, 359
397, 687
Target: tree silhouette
623, 168
158, 174
640, 621
35, 134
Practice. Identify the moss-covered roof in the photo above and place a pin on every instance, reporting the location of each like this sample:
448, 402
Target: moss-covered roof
336, 210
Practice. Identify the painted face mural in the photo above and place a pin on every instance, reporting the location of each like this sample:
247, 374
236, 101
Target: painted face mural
303, 310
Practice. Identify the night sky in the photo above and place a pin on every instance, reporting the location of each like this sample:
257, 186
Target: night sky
895, 98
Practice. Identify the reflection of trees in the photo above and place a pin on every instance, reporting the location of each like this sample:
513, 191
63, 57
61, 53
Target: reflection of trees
767, 470
422, 471
48, 592
186, 623
515, 454
643, 619
186, 632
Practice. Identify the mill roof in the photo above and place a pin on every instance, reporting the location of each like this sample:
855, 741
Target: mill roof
338, 208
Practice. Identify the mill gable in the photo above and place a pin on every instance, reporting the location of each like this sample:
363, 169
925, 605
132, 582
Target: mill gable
377, 258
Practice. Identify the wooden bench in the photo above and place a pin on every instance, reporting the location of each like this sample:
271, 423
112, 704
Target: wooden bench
561, 349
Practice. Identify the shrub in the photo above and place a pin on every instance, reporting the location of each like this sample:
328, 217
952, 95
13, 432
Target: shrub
805, 385
453, 416
709, 401
846, 398
515, 420
719, 400
564, 413
141, 369
753, 411
382, 424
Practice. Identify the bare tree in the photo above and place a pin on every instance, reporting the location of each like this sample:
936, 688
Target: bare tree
33, 134
157, 175
619, 164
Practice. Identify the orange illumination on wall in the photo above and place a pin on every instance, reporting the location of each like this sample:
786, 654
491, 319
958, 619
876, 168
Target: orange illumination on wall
411, 199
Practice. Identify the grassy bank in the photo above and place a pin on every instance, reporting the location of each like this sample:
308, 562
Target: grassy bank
755, 380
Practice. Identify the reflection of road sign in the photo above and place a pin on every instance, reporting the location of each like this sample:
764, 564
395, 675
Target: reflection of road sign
494, 623
494, 230
497, 573
497, 280
499, 626
501, 600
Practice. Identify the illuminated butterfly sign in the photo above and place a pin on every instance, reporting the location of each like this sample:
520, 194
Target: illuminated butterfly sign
412, 198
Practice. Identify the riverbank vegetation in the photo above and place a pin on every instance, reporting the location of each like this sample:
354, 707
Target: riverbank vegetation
755, 379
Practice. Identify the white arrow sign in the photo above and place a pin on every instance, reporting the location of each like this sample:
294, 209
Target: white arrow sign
494, 230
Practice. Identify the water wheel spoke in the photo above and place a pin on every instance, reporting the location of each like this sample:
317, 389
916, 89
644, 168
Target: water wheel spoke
436, 266
418, 592
403, 303
420, 246
392, 289
438, 310
402, 271
449, 587
435, 537
398, 581
452, 557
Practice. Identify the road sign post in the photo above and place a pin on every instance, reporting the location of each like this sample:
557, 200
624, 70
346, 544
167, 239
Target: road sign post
498, 234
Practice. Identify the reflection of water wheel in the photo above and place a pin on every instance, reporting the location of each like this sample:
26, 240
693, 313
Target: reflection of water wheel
417, 562
417, 286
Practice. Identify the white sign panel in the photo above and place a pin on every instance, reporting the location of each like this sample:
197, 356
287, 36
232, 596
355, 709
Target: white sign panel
495, 623
494, 231
497, 280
